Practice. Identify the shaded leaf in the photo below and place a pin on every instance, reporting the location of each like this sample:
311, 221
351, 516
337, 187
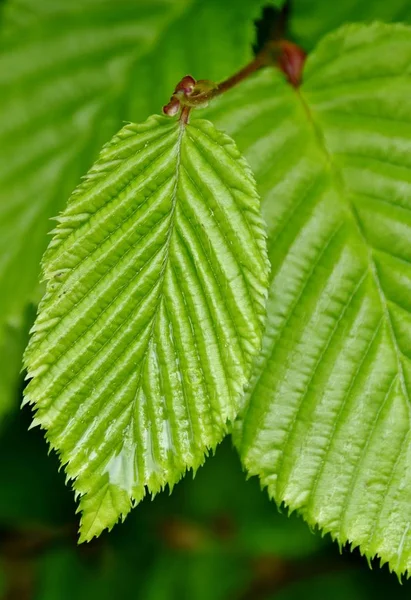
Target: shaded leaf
327, 428
12, 344
312, 20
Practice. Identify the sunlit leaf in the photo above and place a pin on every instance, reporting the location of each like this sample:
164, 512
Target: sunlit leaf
154, 312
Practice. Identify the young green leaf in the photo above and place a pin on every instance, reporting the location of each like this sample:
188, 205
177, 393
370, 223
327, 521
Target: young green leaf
327, 428
157, 278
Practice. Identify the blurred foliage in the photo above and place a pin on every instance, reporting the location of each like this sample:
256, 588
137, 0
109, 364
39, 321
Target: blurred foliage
312, 19
217, 537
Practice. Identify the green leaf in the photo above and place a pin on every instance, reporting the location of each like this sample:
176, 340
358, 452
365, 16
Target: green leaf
157, 279
67, 71
310, 21
327, 428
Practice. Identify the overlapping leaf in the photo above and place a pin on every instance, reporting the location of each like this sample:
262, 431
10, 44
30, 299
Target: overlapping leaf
157, 279
327, 428
67, 73
312, 20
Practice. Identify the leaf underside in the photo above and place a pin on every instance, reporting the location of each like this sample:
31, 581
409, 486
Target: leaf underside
157, 280
327, 428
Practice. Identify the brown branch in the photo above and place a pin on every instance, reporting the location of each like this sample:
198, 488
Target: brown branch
189, 93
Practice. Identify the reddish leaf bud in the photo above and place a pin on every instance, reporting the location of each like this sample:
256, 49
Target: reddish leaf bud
186, 85
172, 108
291, 61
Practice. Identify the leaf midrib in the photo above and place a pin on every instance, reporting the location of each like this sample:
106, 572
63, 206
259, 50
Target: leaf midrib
174, 197
166, 261
336, 170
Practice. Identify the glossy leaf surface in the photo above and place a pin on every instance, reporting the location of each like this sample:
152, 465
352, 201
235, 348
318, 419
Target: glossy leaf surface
157, 279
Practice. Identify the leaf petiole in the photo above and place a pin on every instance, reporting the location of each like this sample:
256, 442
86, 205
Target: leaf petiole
189, 93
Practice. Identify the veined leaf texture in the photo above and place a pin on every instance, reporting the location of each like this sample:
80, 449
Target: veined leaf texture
154, 312
71, 72
327, 428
